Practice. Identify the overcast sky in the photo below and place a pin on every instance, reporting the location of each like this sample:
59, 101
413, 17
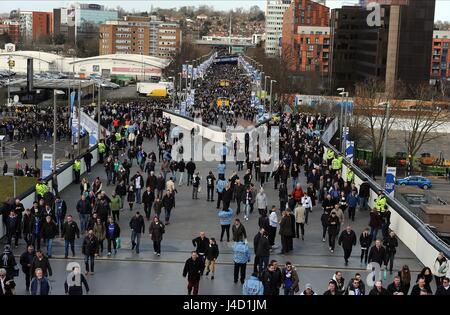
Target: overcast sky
442, 6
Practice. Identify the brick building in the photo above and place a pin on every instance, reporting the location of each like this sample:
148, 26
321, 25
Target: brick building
12, 28
140, 35
34, 25
306, 37
440, 59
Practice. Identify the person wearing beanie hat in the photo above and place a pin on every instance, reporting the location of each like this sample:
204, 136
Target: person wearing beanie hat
308, 290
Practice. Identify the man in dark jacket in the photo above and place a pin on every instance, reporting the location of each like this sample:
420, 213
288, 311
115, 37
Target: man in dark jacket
69, 231
378, 254
168, 202
190, 167
238, 230
285, 232
443, 289
193, 268
291, 237
88, 160
49, 231
378, 289
212, 252
13, 228
40, 261
25, 261
347, 239
201, 243
262, 250
137, 226
272, 279
60, 210
239, 192
364, 193
89, 250
148, 197
395, 288
210, 180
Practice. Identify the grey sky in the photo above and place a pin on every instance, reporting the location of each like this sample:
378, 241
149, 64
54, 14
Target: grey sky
442, 6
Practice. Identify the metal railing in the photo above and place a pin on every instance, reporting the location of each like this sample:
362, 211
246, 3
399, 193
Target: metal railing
421, 227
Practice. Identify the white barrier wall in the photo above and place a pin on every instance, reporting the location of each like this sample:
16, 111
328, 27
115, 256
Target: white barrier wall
205, 132
65, 178
423, 250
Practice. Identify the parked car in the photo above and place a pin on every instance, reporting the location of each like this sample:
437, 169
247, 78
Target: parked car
418, 181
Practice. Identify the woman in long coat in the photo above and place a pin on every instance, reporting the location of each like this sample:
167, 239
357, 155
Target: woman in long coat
156, 231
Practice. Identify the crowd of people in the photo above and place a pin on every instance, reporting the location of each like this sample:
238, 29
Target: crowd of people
152, 186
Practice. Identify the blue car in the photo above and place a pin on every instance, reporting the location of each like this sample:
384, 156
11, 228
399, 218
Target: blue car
418, 181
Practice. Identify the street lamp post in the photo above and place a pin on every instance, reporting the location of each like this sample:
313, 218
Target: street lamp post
345, 110
55, 93
265, 89
99, 127
260, 84
270, 109
383, 169
341, 90
79, 117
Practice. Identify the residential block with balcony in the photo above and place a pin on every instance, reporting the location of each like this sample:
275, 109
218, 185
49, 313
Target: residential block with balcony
440, 60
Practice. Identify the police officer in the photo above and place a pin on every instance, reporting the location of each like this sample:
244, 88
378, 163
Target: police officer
101, 150
76, 170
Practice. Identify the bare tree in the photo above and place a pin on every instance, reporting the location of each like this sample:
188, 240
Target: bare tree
423, 121
370, 105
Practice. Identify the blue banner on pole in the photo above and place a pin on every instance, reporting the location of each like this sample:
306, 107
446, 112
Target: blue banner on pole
389, 186
349, 150
46, 165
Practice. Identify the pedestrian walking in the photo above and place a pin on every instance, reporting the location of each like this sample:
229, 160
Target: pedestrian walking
347, 239
212, 252
39, 284
89, 250
225, 222
365, 239
193, 269
201, 243
290, 279
137, 226
25, 261
41, 262
112, 235
333, 230
238, 230
148, 198
69, 232
48, 233
241, 258
391, 244
156, 231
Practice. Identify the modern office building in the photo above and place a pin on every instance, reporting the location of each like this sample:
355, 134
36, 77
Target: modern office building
440, 60
306, 37
274, 25
140, 35
399, 49
34, 25
88, 18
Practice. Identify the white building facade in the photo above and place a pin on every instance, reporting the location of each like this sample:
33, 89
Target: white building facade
274, 25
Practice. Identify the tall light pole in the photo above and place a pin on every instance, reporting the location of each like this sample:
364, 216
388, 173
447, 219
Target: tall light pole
173, 91
383, 169
270, 109
79, 117
99, 127
181, 83
55, 93
265, 89
343, 143
260, 84
341, 90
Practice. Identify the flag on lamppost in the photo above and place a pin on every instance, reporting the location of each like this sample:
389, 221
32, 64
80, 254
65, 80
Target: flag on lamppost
389, 185
349, 150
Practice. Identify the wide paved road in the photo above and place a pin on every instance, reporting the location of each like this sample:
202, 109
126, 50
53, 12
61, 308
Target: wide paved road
145, 273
